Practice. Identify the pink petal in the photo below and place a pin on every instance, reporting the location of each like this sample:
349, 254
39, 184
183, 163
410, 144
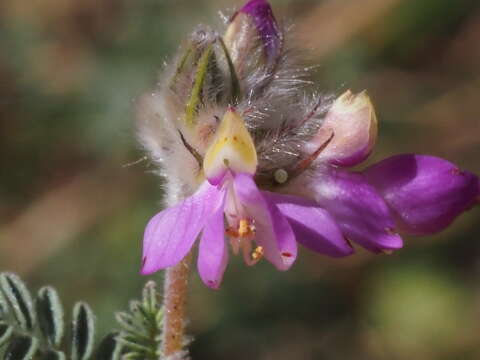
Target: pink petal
273, 232
313, 226
426, 193
353, 122
358, 209
213, 252
170, 234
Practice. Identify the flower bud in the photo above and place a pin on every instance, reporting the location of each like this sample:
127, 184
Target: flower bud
253, 38
353, 123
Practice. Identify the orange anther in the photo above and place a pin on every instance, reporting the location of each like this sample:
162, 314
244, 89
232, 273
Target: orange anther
257, 253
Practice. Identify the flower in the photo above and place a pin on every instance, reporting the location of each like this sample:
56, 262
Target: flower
409, 193
261, 161
254, 21
251, 215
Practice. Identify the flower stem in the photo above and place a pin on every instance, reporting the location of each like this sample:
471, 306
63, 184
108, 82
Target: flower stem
174, 303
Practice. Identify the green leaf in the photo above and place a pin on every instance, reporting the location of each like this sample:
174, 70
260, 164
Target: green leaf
131, 325
21, 348
19, 299
142, 326
5, 333
133, 356
150, 296
109, 348
3, 306
53, 355
83, 331
50, 315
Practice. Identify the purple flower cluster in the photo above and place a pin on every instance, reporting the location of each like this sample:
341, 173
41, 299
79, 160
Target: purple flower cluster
264, 210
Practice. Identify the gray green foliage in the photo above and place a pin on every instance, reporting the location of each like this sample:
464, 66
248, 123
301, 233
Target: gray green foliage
18, 299
50, 315
142, 326
83, 331
21, 347
34, 328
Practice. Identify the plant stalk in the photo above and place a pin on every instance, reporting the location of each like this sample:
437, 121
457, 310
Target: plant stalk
174, 302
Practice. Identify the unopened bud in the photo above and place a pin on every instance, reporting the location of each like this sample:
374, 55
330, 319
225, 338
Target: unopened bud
353, 122
253, 37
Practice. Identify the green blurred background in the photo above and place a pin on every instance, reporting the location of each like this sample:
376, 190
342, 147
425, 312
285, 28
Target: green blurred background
72, 213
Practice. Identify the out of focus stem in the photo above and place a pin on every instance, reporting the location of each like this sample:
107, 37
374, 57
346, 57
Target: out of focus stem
174, 303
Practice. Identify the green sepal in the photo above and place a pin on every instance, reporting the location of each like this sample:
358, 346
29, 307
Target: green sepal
236, 90
194, 100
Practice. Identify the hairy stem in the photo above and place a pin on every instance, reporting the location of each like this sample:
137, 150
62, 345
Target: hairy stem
175, 296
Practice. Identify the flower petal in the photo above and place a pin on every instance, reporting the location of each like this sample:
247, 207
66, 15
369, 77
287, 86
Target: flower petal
213, 252
170, 234
273, 232
232, 149
426, 193
358, 209
313, 226
353, 122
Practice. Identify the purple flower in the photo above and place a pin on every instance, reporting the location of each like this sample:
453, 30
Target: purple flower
274, 173
425, 193
272, 221
410, 194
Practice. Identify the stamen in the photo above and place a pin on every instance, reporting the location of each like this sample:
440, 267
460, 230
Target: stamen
243, 227
235, 243
257, 253
246, 229
246, 250
251, 258
232, 232
241, 238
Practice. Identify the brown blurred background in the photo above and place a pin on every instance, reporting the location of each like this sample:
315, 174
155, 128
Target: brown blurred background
72, 212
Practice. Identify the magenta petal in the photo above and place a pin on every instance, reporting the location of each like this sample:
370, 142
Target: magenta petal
273, 232
170, 234
426, 193
358, 209
262, 14
313, 226
213, 252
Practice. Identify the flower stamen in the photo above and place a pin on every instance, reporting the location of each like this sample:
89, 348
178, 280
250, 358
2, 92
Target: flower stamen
257, 253
246, 228
241, 237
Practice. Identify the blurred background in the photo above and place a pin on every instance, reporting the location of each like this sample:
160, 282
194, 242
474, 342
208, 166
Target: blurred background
72, 212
